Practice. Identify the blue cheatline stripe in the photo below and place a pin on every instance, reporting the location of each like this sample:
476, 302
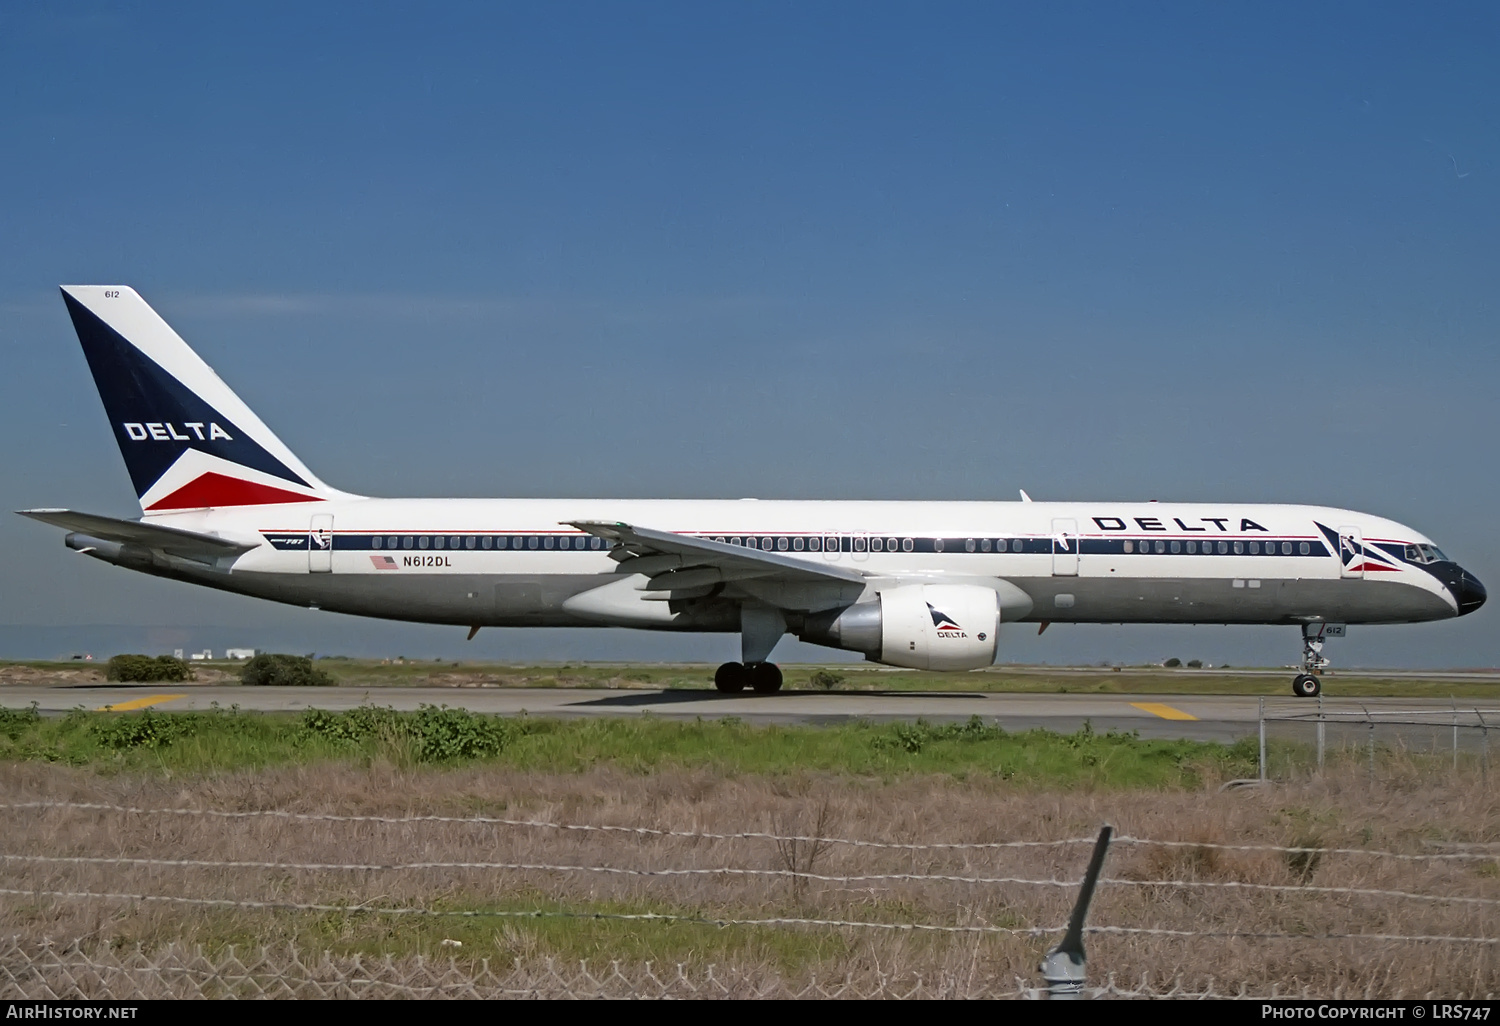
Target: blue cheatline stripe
860, 544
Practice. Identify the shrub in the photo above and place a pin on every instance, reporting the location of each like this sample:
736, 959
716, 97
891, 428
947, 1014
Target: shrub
826, 679
1172, 663
144, 669
914, 737
15, 722
1196, 664
435, 733
284, 671
143, 731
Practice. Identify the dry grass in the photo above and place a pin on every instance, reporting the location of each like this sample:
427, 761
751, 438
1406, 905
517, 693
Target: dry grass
1406, 814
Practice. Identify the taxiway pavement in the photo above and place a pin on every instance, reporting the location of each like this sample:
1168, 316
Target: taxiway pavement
1197, 717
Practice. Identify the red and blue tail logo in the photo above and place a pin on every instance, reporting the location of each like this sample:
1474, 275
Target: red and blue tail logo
188, 441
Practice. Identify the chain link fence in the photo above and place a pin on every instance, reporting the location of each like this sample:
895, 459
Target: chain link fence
49, 972
1298, 740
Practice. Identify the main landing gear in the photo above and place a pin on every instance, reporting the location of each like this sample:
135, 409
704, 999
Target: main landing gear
762, 677
1308, 683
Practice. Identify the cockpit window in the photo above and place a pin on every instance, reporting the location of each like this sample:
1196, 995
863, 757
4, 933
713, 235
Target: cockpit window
1425, 554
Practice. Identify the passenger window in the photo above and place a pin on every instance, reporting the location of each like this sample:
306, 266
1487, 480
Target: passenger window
470, 542
815, 544
1239, 548
859, 544
375, 542
531, 542
423, 542
765, 543
969, 545
1017, 545
547, 541
937, 545
876, 545
796, 544
1192, 547
596, 543
1303, 548
1130, 546
1223, 548
1161, 547
831, 544
486, 542
1255, 548
1177, 546
781, 544
907, 544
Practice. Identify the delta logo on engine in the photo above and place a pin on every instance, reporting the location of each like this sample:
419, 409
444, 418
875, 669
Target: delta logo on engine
944, 625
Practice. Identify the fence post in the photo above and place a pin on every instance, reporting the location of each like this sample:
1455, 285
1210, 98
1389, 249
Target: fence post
1262, 719
1454, 700
1321, 725
1484, 749
1064, 966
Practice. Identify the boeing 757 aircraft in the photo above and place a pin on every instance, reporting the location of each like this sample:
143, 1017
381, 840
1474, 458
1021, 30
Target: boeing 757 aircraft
925, 585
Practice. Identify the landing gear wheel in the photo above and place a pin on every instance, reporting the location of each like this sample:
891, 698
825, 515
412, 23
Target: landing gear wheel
765, 678
731, 677
1305, 685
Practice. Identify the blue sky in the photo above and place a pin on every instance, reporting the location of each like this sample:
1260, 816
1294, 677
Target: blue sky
1219, 252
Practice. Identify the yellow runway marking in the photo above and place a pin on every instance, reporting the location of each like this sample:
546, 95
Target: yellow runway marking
1166, 712
138, 703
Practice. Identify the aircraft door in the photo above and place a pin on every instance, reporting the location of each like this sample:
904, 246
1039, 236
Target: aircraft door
1351, 552
320, 544
1064, 548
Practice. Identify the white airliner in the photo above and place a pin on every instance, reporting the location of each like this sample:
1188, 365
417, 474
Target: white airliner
925, 585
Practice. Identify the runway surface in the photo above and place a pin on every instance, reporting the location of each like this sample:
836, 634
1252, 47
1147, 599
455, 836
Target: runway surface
1204, 718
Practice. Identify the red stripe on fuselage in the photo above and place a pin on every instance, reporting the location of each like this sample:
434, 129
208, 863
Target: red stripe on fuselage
220, 490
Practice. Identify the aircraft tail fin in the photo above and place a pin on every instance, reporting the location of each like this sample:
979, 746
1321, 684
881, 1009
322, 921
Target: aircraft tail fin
188, 441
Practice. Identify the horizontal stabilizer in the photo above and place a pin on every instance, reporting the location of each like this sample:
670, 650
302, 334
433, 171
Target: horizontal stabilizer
171, 540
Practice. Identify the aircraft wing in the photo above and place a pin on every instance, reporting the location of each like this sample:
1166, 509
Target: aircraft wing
171, 540
675, 561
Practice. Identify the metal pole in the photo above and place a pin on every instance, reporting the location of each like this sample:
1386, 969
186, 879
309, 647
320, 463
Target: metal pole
1321, 725
1484, 748
1454, 699
1262, 718
1064, 966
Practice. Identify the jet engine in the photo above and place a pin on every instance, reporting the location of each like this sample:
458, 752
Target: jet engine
923, 626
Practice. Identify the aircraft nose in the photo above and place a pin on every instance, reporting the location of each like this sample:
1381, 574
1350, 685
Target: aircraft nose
1469, 593
1465, 588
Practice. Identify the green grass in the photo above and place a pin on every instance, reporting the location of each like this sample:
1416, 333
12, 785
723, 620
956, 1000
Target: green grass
230, 740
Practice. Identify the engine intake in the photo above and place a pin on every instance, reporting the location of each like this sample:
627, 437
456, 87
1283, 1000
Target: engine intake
921, 626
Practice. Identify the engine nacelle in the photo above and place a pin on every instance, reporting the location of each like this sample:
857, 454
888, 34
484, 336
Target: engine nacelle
923, 626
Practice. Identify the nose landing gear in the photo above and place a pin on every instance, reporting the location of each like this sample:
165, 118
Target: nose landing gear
1308, 683
763, 678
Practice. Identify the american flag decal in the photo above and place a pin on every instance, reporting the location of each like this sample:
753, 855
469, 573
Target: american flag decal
383, 562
